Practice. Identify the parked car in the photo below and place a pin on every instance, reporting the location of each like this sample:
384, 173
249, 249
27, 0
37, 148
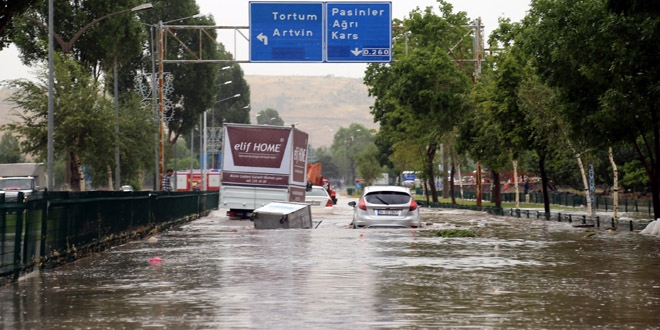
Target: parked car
386, 206
127, 188
319, 200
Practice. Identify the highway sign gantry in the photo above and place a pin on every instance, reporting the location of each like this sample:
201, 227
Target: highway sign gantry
320, 31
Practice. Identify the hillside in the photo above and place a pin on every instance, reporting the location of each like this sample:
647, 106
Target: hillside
320, 105
5, 107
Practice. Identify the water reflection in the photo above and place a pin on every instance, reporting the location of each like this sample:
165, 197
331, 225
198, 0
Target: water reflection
517, 274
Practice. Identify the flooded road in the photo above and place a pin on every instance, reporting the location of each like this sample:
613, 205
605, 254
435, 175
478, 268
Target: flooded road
216, 273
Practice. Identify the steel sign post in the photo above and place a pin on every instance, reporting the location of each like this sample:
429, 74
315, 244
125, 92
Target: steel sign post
286, 32
359, 32
320, 32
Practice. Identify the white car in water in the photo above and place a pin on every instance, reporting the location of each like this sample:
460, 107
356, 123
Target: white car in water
319, 200
386, 206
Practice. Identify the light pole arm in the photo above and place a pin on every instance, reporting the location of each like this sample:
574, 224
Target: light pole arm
56, 36
66, 46
79, 34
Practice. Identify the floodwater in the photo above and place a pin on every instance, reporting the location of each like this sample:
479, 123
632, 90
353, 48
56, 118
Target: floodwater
216, 273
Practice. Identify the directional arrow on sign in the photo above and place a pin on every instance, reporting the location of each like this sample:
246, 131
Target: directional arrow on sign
356, 51
263, 39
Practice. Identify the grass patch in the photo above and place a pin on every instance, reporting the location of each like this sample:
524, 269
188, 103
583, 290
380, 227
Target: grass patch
447, 233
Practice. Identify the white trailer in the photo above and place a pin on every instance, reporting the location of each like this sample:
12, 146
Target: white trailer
262, 164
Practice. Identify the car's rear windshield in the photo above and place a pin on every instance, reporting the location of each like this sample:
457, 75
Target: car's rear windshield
316, 192
387, 197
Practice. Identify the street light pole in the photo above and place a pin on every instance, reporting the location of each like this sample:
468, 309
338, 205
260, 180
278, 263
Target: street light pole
117, 159
50, 182
161, 147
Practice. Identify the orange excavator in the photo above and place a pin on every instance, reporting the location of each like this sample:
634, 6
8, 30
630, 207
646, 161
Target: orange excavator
314, 177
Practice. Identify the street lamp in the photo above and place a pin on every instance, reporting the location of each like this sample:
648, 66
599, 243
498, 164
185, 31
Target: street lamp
66, 48
181, 19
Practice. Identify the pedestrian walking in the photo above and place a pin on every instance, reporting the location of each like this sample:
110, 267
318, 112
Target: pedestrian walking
166, 185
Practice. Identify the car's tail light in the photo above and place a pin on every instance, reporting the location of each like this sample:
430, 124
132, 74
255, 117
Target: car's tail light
328, 203
362, 205
413, 205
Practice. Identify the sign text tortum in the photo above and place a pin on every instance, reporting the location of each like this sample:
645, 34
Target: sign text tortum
286, 32
320, 32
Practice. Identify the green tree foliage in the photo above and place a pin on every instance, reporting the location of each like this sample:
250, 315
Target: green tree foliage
84, 123
634, 6
634, 176
368, 167
10, 151
269, 116
481, 137
347, 143
136, 137
9, 10
228, 107
602, 65
422, 95
96, 48
324, 156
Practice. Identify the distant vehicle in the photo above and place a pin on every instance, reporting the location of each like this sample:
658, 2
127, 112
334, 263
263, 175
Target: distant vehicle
127, 188
386, 206
319, 200
315, 178
10, 187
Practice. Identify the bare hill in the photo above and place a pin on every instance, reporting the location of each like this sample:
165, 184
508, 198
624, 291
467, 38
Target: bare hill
320, 105
5, 106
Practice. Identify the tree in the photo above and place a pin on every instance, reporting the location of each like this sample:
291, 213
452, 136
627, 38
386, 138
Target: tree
269, 116
609, 85
367, 165
9, 10
10, 151
482, 137
422, 95
324, 156
95, 48
84, 122
347, 143
228, 107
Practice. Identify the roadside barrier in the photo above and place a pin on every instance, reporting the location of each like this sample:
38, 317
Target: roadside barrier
580, 220
52, 228
601, 203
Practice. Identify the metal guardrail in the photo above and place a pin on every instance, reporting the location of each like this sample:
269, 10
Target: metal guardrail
52, 228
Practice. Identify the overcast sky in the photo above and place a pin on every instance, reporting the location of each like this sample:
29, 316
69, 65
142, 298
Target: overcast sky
236, 13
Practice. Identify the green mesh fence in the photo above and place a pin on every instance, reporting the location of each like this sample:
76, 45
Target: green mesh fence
564, 199
601, 203
49, 229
